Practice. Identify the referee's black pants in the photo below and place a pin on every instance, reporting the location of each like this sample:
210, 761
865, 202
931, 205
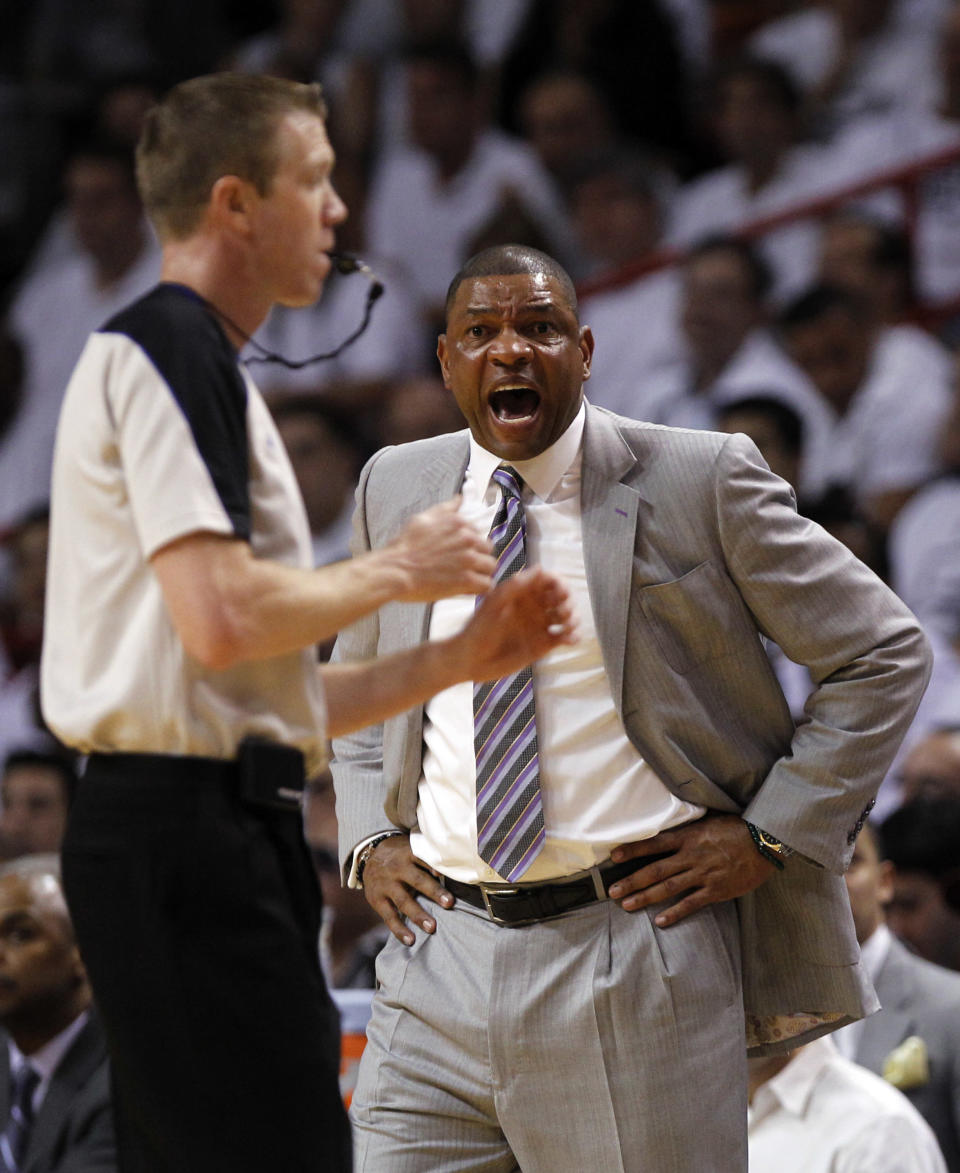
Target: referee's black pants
198, 919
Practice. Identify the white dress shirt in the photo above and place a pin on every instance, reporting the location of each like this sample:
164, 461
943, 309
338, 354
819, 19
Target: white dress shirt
597, 789
824, 1114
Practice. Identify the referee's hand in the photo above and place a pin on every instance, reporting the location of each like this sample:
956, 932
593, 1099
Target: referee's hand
438, 554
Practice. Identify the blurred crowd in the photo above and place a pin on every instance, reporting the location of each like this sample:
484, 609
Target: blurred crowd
657, 148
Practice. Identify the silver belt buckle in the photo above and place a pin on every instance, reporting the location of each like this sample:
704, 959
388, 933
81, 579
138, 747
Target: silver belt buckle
485, 892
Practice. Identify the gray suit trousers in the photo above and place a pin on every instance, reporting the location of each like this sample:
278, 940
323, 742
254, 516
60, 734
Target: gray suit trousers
595, 1041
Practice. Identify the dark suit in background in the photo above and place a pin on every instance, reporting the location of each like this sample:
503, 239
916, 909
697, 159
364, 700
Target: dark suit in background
73, 1128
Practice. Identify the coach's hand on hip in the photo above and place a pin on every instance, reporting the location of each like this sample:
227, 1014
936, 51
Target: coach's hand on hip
710, 860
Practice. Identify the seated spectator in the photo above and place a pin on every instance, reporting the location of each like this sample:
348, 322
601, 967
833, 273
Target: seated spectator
906, 136
874, 260
882, 442
931, 769
631, 52
36, 790
775, 428
730, 353
812, 1111
617, 216
22, 596
54, 1074
22, 589
57, 308
754, 112
566, 118
924, 545
326, 455
853, 58
920, 840
427, 200
914, 1039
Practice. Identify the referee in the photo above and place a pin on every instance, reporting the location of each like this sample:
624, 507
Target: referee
181, 619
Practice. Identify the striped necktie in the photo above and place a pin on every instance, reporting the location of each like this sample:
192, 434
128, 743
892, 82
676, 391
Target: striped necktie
509, 806
13, 1139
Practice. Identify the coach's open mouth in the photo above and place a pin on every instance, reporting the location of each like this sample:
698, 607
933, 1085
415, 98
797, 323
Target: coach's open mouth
514, 403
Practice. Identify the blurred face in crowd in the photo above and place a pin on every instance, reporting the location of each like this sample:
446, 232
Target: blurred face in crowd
34, 815
869, 886
515, 357
42, 980
614, 222
919, 914
104, 208
835, 352
752, 123
845, 256
322, 463
719, 305
932, 768
566, 121
441, 108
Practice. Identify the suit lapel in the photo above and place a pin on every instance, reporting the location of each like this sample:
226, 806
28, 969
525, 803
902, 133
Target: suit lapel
434, 482
887, 1030
86, 1053
609, 520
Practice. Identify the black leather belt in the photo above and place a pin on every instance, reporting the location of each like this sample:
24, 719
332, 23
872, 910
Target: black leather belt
264, 774
523, 904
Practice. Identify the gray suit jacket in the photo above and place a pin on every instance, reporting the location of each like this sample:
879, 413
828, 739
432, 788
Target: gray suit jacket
921, 999
693, 550
73, 1130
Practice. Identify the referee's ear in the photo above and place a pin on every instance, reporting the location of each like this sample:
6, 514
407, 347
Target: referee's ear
232, 202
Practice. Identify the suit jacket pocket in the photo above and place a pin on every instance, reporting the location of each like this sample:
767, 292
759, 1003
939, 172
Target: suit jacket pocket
696, 617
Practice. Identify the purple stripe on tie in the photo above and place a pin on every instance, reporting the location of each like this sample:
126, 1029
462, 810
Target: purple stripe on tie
527, 858
521, 755
500, 789
489, 743
496, 690
487, 750
509, 753
509, 796
515, 835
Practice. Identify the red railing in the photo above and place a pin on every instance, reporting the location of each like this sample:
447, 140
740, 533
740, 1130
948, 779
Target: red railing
906, 179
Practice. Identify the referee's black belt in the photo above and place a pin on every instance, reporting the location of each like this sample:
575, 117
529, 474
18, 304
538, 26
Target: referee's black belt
523, 904
264, 773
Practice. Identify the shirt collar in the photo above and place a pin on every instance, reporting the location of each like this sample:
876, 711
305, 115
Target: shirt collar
47, 1059
793, 1086
543, 472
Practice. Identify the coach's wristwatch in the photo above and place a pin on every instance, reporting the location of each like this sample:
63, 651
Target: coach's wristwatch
769, 846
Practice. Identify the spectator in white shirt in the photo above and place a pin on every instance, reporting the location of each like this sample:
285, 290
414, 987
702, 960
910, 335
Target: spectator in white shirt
429, 201
754, 113
853, 58
618, 217
885, 421
913, 1041
730, 353
56, 309
813, 1111
874, 260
